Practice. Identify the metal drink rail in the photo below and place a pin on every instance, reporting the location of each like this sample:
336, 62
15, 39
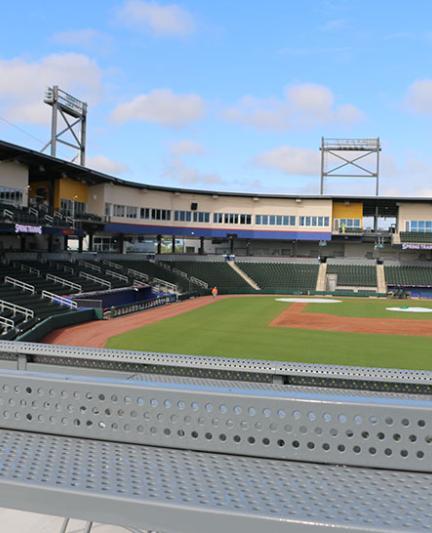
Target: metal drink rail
60, 300
64, 282
116, 275
188, 455
28, 313
20, 284
100, 281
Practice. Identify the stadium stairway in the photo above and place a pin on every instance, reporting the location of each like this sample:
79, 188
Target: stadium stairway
322, 278
381, 281
243, 275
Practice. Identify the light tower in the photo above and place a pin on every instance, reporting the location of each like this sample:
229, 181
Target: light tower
352, 158
74, 115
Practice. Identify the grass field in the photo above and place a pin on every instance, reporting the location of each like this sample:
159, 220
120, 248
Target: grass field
238, 327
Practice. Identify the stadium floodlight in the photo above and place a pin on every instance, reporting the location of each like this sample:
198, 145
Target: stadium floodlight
350, 158
74, 114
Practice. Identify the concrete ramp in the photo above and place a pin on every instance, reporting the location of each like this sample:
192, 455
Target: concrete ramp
322, 277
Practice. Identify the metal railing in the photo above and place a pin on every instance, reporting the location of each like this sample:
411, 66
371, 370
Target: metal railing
64, 282
116, 275
165, 285
33, 211
139, 284
7, 323
60, 300
49, 218
111, 264
29, 269
89, 265
137, 274
20, 284
100, 281
28, 313
8, 214
199, 282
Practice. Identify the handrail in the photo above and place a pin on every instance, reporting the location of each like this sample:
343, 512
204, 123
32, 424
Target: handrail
58, 214
139, 284
63, 267
90, 277
89, 265
33, 211
49, 218
21, 284
198, 282
61, 300
64, 282
30, 270
165, 284
28, 313
116, 275
7, 323
7, 213
111, 264
138, 274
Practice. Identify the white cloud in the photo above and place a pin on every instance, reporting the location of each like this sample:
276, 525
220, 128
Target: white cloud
186, 147
106, 165
291, 160
163, 107
419, 97
83, 38
23, 84
186, 174
302, 105
160, 19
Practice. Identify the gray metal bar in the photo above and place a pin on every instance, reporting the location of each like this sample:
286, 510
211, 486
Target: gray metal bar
190, 492
249, 369
381, 432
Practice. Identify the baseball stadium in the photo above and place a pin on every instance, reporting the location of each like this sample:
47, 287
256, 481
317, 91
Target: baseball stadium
216, 315
315, 279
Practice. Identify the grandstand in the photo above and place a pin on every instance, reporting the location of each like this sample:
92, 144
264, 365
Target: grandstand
350, 275
282, 277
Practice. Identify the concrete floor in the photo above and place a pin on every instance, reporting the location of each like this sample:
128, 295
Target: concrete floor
12, 521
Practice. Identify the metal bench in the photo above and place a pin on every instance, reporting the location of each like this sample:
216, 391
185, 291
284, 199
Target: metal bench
181, 444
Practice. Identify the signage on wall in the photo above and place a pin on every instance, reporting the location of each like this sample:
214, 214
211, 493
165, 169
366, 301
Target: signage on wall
416, 246
23, 228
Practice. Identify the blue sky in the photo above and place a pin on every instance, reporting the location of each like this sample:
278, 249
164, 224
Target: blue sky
227, 95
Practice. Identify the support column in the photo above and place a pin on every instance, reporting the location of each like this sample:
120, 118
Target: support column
231, 245
90, 245
121, 243
159, 244
376, 219
65, 243
50, 243
80, 244
23, 243
201, 248
173, 244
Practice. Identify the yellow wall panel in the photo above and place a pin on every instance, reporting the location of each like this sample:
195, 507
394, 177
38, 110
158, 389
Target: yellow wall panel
348, 210
68, 189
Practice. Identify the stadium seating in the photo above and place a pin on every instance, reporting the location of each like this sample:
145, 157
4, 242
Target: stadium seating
153, 270
354, 275
283, 277
409, 276
415, 236
217, 274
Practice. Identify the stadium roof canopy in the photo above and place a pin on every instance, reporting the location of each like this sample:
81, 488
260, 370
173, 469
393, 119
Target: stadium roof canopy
43, 166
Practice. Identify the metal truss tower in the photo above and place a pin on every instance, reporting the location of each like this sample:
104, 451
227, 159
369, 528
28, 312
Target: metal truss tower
74, 115
351, 158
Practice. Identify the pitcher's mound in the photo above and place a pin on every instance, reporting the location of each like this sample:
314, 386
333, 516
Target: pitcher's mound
309, 300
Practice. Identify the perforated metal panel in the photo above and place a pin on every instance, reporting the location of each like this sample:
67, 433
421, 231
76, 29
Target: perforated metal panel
377, 379
190, 492
383, 433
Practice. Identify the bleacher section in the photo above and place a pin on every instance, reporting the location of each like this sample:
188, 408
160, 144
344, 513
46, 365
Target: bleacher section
408, 276
153, 270
217, 274
283, 277
415, 236
354, 275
